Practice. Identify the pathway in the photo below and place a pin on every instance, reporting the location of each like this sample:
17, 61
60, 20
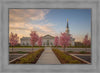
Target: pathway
48, 57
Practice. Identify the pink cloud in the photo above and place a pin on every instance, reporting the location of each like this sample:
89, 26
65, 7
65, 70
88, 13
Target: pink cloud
25, 15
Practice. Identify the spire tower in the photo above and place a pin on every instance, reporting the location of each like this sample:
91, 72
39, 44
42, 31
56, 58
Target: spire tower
67, 28
67, 24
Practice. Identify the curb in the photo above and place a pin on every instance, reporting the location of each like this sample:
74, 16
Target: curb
80, 59
17, 58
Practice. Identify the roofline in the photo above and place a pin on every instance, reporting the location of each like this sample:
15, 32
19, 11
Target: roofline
48, 35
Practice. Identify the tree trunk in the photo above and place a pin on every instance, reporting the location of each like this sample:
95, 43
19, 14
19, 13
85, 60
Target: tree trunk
12, 48
32, 48
64, 48
54, 47
86, 49
39, 47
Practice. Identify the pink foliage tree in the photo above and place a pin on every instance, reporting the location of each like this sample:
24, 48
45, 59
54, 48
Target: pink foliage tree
64, 40
13, 39
40, 41
56, 41
86, 41
34, 38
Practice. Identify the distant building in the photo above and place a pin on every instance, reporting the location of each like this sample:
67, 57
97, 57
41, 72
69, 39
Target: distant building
25, 41
47, 40
79, 44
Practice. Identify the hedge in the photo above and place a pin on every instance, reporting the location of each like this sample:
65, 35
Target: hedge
65, 59
27, 47
74, 46
30, 58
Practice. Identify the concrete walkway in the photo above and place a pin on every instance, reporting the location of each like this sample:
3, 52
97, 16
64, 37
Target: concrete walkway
48, 57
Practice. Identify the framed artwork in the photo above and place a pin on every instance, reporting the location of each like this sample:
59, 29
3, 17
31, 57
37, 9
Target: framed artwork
48, 30
49, 36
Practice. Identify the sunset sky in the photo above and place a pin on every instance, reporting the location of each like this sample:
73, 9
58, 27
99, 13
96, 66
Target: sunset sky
50, 21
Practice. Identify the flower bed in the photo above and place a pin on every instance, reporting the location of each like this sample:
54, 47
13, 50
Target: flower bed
31, 58
65, 59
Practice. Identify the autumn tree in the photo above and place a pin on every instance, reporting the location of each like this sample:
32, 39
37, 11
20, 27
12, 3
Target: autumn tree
56, 41
64, 40
34, 38
40, 41
13, 39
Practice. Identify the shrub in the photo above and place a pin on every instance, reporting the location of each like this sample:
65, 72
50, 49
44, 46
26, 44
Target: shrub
30, 57
70, 51
65, 59
21, 52
82, 52
27, 47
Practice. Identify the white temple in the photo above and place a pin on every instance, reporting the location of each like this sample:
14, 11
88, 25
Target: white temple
47, 40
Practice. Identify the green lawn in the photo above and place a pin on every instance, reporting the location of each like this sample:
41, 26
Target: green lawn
19, 52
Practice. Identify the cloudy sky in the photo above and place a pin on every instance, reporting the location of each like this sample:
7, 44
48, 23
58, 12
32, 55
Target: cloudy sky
50, 21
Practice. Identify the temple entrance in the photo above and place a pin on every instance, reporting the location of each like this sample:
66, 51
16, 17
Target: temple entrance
47, 42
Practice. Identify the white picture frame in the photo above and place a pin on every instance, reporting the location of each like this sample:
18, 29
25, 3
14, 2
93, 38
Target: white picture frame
66, 68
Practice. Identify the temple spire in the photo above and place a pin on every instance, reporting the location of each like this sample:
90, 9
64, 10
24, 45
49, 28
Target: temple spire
67, 23
67, 28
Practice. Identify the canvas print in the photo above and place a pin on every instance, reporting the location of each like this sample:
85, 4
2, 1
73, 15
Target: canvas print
49, 36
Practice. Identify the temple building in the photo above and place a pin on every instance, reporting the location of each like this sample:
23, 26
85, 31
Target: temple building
72, 40
47, 40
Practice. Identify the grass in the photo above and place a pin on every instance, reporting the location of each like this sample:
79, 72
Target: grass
31, 58
19, 52
65, 59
